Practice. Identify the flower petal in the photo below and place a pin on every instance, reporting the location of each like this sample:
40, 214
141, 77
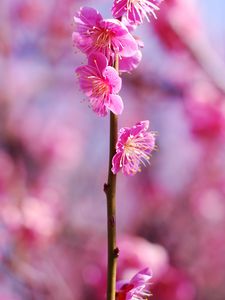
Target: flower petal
88, 15
83, 72
119, 8
128, 64
113, 77
138, 127
98, 61
126, 44
116, 163
115, 104
98, 106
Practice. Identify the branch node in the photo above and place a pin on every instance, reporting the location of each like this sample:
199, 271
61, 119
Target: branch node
112, 221
116, 252
106, 188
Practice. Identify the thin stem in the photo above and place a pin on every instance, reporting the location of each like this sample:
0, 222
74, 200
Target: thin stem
110, 190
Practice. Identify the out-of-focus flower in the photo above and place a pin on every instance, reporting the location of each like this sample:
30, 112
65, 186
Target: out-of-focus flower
135, 10
207, 120
94, 34
178, 15
35, 221
101, 83
144, 254
174, 284
136, 288
6, 293
133, 147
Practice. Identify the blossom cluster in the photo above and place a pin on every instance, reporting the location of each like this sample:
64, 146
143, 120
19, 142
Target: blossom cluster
111, 49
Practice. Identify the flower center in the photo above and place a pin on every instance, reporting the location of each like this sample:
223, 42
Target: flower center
99, 87
137, 147
132, 145
102, 37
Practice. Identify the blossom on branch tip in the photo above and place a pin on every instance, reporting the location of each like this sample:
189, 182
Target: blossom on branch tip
94, 34
101, 83
135, 10
134, 146
135, 289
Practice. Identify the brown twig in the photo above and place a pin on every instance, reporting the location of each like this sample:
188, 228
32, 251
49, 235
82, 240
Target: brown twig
110, 191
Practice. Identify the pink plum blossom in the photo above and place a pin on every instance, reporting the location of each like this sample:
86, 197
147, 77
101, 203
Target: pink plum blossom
101, 83
94, 34
133, 147
136, 288
143, 254
135, 10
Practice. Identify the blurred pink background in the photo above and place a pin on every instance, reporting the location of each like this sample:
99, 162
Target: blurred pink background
54, 157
